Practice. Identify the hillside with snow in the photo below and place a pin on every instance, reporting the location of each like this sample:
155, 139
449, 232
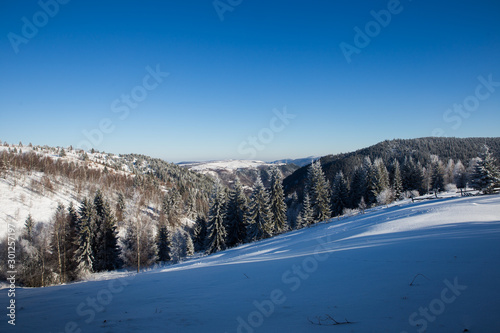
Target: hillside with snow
430, 266
247, 171
34, 180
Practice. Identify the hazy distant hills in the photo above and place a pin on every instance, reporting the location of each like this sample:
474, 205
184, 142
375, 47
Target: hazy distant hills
246, 170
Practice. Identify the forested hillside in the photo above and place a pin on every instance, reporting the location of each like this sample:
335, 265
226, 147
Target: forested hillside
421, 150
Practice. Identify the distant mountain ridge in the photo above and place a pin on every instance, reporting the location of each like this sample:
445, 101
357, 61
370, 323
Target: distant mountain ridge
248, 171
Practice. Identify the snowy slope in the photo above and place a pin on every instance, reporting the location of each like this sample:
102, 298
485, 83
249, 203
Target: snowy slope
228, 165
23, 193
356, 269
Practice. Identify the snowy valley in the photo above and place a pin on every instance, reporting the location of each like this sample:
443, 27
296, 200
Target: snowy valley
398, 237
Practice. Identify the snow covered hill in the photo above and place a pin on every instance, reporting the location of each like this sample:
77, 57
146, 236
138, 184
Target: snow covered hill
246, 170
228, 165
431, 266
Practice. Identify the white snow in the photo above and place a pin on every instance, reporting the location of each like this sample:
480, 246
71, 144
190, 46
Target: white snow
357, 269
228, 165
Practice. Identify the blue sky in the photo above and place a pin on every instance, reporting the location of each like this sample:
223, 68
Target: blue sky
89, 67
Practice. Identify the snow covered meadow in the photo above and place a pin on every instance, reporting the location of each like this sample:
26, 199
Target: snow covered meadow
431, 266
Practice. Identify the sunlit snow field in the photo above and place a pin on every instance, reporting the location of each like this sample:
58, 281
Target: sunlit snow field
432, 265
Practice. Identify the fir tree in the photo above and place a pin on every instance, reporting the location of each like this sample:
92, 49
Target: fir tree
340, 194
412, 175
277, 201
305, 217
379, 178
200, 234
107, 252
236, 210
485, 176
163, 243
397, 182
358, 186
370, 180
438, 175
72, 243
318, 189
259, 217
86, 237
216, 238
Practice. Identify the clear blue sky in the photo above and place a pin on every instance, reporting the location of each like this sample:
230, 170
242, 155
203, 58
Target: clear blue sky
227, 76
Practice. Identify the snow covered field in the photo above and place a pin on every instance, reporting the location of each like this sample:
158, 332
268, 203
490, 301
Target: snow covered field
431, 266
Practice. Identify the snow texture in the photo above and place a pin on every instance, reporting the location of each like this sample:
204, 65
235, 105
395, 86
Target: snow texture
429, 266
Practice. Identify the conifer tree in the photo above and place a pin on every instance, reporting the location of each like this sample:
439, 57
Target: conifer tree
412, 175
438, 175
358, 186
107, 252
163, 243
379, 177
397, 182
259, 217
86, 236
200, 234
485, 175
305, 217
340, 194
236, 210
318, 189
72, 243
277, 201
216, 238
370, 180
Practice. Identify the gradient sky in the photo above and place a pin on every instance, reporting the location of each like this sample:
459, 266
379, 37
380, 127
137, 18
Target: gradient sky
227, 76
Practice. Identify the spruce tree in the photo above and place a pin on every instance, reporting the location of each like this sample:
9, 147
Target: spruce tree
305, 217
277, 201
340, 194
397, 182
200, 234
370, 181
72, 243
86, 237
438, 176
379, 178
318, 189
163, 243
259, 217
216, 238
107, 252
236, 209
485, 175
358, 186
